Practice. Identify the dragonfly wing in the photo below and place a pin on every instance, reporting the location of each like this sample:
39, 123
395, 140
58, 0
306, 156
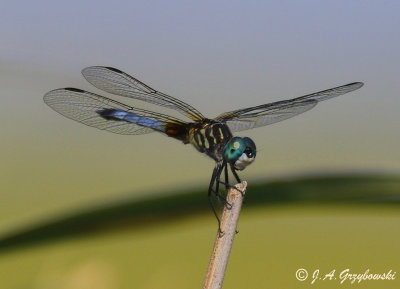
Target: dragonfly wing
270, 116
107, 114
115, 81
252, 117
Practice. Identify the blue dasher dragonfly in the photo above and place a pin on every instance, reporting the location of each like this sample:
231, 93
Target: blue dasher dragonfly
210, 136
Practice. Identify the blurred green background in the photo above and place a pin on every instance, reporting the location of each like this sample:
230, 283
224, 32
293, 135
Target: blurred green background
82, 208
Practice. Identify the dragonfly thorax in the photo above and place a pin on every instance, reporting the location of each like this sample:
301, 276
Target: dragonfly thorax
210, 137
240, 152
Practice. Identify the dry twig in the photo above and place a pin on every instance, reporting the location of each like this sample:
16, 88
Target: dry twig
223, 243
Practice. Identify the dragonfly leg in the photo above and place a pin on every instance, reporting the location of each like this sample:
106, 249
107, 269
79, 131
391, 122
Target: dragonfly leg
216, 192
215, 176
237, 178
226, 181
220, 197
227, 185
235, 174
226, 175
218, 181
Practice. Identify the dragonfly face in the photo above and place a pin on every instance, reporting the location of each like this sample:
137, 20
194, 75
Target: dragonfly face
240, 152
210, 136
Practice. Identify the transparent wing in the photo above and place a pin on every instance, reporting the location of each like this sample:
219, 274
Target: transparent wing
270, 116
270, 113
107, 114
117, 82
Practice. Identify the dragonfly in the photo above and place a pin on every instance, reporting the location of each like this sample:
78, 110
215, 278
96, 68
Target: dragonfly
211, 136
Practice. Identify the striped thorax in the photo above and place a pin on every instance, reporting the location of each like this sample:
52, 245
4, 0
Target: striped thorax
210, 137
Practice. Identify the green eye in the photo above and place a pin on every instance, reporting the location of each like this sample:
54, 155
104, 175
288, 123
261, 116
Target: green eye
236, 146
234, 149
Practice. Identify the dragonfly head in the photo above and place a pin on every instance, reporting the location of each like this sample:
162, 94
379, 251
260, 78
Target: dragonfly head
240, 152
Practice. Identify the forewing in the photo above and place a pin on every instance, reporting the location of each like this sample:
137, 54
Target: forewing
85, 107
115, 81
270, 113
330, 93
262, 117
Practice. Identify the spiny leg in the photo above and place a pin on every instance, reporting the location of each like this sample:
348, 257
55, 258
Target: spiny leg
226, 176
226, 182
237, 178
216, 174
227, 185
217, 182
210, 190
235, 174
222, 198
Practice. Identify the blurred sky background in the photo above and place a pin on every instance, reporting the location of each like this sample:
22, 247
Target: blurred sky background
214, 55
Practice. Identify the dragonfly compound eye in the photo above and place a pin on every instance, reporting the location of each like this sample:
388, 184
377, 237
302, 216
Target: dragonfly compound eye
240, 152
249, 152
233, 149
250, 149
248, 156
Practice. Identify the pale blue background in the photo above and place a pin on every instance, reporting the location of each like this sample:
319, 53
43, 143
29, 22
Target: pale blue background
215, 55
